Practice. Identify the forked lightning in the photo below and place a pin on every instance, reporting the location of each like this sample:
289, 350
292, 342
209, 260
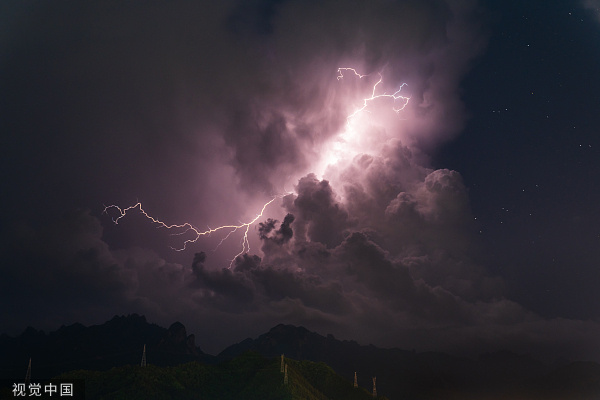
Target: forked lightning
187, 227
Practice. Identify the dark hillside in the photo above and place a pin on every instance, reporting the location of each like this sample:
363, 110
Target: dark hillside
249, 377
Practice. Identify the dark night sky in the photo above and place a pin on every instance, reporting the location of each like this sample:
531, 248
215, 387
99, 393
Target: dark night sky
531, 174
466, 222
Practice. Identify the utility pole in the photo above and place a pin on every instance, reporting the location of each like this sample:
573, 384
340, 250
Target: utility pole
285, 378
355, 380
374, 387
28, 376
143, 364
282, 363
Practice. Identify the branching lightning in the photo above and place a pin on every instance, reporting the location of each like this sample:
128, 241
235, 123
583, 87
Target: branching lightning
394, 96
356, 136
187, 227
341, 73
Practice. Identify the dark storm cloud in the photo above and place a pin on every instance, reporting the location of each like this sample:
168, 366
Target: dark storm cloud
252, 286
359, 265
280, 236
68, 267
265, 146
202, 109
319, 217
223, 287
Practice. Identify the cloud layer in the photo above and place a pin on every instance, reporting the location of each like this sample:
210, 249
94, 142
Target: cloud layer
203, 111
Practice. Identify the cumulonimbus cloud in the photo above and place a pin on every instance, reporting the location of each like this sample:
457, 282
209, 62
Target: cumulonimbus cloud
205, 110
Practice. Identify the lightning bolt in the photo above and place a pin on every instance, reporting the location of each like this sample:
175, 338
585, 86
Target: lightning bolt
394, 96
341, 73
187, 227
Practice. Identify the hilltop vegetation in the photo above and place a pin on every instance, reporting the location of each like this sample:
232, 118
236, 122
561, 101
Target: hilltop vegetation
249, 376
187, 372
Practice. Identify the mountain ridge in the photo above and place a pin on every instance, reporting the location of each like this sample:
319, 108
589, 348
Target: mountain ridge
400, 373
118, 341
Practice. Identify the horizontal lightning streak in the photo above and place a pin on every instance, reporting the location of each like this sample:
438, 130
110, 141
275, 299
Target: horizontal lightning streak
189, 227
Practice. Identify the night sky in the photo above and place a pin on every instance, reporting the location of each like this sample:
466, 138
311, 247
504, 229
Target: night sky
461, 216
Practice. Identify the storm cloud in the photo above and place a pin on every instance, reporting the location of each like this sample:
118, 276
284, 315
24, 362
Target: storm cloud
206, 111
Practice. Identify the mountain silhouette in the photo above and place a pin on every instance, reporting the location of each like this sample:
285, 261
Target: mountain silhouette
428, 375
400, 373
119, 341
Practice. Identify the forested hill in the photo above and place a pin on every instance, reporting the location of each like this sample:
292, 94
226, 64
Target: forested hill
249, 377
